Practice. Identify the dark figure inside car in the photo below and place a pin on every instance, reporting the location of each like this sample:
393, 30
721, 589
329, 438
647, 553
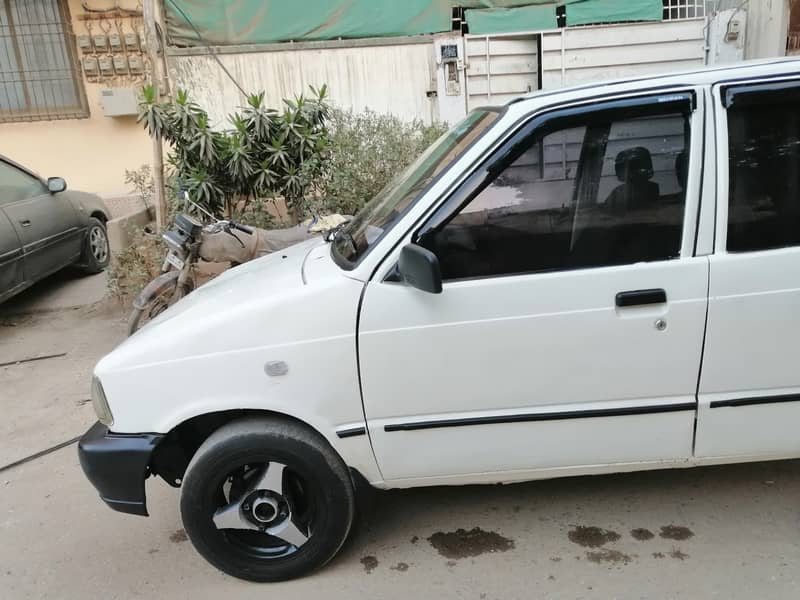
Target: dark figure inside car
634, 168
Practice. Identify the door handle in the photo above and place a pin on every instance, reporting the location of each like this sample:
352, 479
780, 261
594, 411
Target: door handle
641, 297
25, 222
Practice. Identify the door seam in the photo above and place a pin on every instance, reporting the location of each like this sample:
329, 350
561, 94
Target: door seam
358, 374
702, 356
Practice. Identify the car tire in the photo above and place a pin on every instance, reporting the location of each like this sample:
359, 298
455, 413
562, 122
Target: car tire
235, 516
96, 250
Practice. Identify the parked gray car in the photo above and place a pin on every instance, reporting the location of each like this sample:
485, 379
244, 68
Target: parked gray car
44, 228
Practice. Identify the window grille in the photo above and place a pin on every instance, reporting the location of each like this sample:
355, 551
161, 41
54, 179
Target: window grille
676, 10
38, 75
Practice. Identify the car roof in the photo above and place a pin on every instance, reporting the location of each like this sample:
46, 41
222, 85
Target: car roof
746, 70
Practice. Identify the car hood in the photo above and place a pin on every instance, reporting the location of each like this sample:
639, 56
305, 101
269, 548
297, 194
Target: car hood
245, 294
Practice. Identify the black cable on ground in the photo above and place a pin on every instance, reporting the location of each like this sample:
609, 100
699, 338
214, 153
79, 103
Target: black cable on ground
50, 450
33, 359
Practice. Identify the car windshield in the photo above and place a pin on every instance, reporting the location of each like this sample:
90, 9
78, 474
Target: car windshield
384, 210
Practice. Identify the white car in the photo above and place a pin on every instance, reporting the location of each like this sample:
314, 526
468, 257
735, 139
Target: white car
591, 280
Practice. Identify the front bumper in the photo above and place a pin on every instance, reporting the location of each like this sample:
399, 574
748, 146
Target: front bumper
117, 465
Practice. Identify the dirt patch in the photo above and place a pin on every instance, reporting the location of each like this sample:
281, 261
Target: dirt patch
608, 556
401, 566
369, 562
462, 543
592, 537
15, 320
676, 532
178, 536
642, 534
677, 554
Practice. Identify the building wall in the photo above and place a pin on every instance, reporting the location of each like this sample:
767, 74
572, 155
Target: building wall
767, 25
92, 154
395, 75
579, 55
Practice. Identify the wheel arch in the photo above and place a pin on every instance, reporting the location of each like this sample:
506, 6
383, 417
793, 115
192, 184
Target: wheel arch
100, 216
175, 451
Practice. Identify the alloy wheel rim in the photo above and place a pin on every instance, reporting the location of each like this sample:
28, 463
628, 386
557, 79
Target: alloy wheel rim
98, 243
265, 510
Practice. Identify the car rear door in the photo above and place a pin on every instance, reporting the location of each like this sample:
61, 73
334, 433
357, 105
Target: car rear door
569, 331
47, 224
749, 394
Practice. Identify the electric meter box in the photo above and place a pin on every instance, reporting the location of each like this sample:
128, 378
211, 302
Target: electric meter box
131, 41
84, 43
119, 102
135, 64
106, 66
121, 65
115, 42
90, 66
100, 42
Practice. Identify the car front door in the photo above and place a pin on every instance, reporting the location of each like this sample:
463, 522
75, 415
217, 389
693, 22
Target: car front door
11, 261
569, 331
47, 224
749, 400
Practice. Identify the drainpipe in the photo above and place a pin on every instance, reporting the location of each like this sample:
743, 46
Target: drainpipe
153, 44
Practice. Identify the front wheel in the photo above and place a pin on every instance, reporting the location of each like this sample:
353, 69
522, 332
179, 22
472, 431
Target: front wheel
158, 296
267, 500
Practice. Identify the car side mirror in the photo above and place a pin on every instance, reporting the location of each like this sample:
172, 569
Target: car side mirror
419, 267
56, 185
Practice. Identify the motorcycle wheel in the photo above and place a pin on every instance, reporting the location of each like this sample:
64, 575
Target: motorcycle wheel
158, 302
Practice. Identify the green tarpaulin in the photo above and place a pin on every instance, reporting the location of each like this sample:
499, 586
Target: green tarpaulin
510, 20
227, 22
585, 12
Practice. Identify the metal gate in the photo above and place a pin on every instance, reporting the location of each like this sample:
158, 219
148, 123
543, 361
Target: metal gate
500, 68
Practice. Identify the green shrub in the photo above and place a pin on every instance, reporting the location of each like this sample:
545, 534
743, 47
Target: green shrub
257, 214
366, 150
317, 160
266, 154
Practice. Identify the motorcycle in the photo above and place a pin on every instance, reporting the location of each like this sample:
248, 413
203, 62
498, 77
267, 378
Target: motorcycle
221, 241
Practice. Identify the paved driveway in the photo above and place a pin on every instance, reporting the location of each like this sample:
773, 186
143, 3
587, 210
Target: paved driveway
727, 532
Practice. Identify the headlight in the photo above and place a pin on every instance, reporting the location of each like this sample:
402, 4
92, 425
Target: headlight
100, 404
174, 240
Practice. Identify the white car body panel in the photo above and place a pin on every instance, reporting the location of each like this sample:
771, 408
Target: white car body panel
208, 353
753, 328
555, 343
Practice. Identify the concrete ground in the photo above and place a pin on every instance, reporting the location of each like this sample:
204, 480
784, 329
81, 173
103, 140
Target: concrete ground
726, 532
65, 289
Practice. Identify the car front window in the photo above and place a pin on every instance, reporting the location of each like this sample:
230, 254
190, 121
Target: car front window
17, 185
381, 213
